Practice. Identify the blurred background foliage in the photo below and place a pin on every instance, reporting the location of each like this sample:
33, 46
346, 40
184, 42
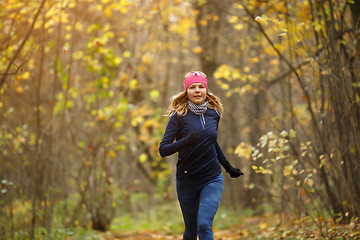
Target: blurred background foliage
85, 84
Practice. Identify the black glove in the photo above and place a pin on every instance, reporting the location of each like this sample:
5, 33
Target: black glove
192, 139
234, 172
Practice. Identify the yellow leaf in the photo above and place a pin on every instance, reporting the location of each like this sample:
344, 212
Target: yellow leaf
225, 86
142, 158
236, 75
72, 4
243, 150
263, 225
124, 3
112, 154
140, 21
78, 55
105, 80
239, 26
79, 27
233, 19
101, 115
124, 10
25, 75
107, 12
254, 60
197, 50
184, 25
19, 90
133, 83
201, 2
142, 68
203, 22
238, 6
98, 7
154, 94
135, 122
127, 54
146, 59
117, 60
217, 75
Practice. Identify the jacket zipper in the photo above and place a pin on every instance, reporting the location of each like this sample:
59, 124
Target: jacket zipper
201, 120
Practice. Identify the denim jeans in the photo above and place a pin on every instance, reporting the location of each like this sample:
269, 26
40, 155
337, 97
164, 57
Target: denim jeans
199, 202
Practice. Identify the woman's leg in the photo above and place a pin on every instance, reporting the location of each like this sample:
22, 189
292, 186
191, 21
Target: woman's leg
209, 202
188, 197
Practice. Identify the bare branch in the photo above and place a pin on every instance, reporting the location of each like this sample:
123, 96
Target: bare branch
4, 75
22, 64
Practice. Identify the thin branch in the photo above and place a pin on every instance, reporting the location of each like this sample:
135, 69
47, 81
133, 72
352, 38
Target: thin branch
4, 75
22, 64
278, 79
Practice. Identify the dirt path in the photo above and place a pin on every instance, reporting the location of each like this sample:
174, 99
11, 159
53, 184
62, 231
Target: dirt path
259, 226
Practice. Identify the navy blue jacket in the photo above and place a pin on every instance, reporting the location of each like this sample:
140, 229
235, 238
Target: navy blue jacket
197, 162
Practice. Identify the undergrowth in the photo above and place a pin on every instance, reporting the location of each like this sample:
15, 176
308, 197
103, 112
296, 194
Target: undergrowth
165, 222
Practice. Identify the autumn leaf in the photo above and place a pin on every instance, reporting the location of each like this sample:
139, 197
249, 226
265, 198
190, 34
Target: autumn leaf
142, 158
243, 150
197, 50
112, 154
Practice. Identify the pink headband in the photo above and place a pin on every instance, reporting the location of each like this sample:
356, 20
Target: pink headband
195, 77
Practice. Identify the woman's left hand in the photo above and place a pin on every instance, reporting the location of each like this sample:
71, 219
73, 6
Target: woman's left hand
234, 172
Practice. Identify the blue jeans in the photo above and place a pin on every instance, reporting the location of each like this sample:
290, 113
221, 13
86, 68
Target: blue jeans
199, 202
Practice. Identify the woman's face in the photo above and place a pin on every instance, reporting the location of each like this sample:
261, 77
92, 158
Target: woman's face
196, 93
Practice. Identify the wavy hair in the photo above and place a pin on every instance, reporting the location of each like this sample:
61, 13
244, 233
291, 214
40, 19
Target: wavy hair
179, 104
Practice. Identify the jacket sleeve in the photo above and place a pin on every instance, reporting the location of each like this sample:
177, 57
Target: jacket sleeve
167, 144
221, 157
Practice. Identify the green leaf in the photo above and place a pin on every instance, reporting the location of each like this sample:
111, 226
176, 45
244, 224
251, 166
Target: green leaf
292, 134
81, 144
284, 133
264, 140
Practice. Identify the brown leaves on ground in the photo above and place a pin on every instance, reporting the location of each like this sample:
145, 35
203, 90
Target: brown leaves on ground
260, 227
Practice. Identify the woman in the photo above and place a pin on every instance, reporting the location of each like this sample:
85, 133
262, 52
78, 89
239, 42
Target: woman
194, 118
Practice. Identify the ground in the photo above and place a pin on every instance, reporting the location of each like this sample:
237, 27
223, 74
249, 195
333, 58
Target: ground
259, 227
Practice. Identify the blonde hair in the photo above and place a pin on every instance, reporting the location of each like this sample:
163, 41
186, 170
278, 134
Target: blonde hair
179, 104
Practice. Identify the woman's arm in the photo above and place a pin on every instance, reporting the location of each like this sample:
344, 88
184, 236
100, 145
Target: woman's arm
167, 144
221, 157
234, 172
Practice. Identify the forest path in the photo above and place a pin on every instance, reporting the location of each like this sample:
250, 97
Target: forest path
260, 227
